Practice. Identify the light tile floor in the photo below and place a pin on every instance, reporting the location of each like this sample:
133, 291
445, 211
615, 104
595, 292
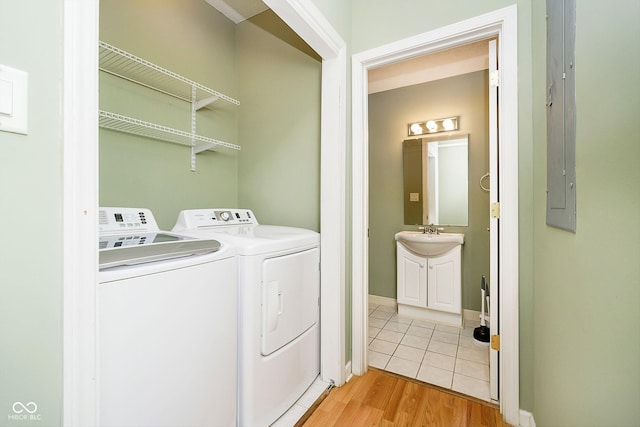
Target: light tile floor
446, 356
291, 417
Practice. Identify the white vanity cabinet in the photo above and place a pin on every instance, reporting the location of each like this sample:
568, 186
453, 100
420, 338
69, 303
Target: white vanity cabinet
429, 287
444, 281
412, 278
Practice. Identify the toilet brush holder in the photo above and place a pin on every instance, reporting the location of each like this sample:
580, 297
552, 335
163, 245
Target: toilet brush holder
482, 334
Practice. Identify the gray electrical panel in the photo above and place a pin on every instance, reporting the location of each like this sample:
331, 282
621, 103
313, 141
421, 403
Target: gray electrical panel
561, 114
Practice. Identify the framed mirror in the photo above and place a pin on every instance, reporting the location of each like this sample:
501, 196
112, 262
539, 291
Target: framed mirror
436, 180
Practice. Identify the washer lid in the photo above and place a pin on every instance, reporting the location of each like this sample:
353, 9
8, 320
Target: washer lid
143, 253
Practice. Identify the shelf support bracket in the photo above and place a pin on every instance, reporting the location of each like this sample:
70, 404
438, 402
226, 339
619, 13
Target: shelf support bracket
204, 147
206, 101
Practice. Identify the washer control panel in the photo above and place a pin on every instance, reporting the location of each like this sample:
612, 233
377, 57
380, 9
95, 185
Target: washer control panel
125, 220
199, 218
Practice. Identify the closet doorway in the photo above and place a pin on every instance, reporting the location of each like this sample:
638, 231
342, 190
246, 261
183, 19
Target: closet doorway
80, 198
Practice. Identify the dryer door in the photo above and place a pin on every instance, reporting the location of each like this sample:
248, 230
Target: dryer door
290, 292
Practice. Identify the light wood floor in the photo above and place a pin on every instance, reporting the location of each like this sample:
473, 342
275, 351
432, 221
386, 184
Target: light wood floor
381, 398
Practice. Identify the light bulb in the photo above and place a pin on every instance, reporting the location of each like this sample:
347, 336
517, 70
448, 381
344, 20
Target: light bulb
416, 129
448, 124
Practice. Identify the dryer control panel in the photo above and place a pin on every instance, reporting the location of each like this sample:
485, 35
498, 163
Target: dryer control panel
200, 218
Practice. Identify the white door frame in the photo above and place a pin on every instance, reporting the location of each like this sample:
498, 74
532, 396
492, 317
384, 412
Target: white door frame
79, 205
310, 24
501, 23
80, 196
494, 228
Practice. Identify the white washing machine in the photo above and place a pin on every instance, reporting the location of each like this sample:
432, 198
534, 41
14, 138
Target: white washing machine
278, 323
166, 325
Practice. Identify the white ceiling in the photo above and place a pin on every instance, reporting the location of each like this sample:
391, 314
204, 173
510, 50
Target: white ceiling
238, 10
447, 63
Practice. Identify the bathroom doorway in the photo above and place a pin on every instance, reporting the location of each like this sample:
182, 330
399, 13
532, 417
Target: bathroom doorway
449, 83
500, 24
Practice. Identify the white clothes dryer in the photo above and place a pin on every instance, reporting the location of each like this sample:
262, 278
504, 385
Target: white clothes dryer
166, 325
278, 323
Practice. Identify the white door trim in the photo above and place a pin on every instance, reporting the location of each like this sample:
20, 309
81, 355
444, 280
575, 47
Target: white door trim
80, 196
501, 23
494, 356
79, 205
311, 25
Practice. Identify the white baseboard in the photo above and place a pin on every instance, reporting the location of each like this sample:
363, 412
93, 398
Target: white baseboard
475, 316
526, 419
429, 315
471, 315
389, 302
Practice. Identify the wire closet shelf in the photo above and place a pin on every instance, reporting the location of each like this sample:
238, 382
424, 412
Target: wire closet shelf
130, 67
134, 126
127, 66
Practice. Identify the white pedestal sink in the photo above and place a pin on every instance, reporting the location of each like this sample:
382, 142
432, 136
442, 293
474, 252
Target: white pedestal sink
429, 244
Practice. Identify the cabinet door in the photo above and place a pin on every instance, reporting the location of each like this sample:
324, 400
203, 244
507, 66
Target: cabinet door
444, 278
412, 278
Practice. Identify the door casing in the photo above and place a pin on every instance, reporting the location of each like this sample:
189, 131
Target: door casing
501, 23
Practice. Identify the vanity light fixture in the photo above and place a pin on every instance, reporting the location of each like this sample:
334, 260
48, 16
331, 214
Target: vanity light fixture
433, 126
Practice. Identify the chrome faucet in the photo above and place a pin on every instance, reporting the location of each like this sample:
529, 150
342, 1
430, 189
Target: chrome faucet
430, 229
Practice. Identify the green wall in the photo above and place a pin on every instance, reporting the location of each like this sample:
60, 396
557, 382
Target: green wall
338, 14
190, 38
579, 293
389, 112
586, 304
381, 22
279, 124
261, 62
31, 200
